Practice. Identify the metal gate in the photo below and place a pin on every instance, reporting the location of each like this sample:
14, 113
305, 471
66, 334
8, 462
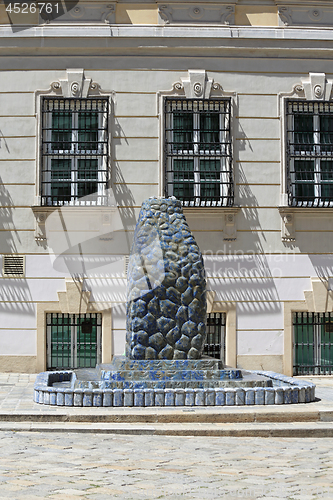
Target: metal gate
215, 342
73, 340
313, 339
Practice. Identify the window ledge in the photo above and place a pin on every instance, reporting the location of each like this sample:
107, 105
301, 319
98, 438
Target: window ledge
225, 215
76, 217
288, 218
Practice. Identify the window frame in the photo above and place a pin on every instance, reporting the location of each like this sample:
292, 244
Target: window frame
313, 152
75, 155
222, 153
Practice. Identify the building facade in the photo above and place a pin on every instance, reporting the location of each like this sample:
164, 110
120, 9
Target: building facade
226, 105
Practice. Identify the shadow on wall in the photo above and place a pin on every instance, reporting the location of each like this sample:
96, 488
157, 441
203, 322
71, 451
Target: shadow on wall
244, 275
123, 195
15, 294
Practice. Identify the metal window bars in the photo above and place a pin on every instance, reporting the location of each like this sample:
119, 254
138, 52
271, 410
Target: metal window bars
313, 343
215, 340
309, 148
74, 151
197, 151
73, 340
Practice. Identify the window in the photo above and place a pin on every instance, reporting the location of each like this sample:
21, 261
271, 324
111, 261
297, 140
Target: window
310, 153
215, 340
198, 161
313, 341
74, 151
73, 340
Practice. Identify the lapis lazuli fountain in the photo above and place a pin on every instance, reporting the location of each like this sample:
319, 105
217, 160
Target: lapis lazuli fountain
166, 317
166, 304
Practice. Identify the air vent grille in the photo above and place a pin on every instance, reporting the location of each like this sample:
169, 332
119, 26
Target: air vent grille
13, 265
126, 261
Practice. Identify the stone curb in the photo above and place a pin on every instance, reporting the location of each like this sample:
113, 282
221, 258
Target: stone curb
288, 391
298, 430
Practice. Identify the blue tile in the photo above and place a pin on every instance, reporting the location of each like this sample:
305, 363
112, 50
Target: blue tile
240, 396
259, 396
269, 396
169, 397
230, 395
249, 396
139, 397
219, 396
279, 396
287, 395
189, 397
199, 397
118, 397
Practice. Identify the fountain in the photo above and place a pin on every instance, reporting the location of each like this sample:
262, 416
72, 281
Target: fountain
166, 311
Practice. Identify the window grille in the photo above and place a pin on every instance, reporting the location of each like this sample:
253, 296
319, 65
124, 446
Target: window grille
215, 340
13, 265
74, 151
313, 343
197, 151
73, 340
310, 153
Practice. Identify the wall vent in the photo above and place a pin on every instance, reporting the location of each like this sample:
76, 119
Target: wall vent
126, 261
13, 265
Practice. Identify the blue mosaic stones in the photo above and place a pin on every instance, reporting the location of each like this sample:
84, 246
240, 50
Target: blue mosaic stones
166, 303
169, 383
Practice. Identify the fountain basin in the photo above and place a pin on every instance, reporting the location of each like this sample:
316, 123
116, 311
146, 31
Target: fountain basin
168, 383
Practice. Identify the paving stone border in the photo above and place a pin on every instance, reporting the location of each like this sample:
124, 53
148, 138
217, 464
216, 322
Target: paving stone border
286, 390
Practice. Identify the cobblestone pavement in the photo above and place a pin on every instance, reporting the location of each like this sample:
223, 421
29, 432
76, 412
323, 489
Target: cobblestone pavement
94, 466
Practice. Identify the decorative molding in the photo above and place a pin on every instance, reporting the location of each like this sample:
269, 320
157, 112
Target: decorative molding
109, 14
305, 13
226, 217
165, 14
316, 87
203, 12
75, 84
289, 215
288, 224
197, 84
285, 16
92, 220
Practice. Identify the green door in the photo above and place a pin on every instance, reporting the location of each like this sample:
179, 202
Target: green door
73, 340
313, 340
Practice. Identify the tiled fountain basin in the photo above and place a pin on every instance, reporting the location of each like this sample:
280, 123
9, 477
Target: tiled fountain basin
87, 388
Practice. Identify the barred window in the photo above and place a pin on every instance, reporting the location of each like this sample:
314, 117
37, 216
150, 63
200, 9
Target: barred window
197, 150
310, 153
74, 151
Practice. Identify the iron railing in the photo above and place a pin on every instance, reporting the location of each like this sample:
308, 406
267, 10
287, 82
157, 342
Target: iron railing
313, 343
215, 341
197, 151
309, 148
73, 340
74, 151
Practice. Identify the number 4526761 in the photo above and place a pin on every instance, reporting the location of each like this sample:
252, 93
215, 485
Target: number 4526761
31, 8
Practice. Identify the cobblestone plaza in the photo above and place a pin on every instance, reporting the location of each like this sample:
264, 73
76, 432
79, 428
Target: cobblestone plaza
102, 467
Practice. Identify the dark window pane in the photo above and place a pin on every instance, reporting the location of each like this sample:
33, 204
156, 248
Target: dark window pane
303, 133
210, 179
326, 180
87, 177
209, 131
326, 133
304, 180
183, 179
61, 180
183, 131
88, 131
61, 131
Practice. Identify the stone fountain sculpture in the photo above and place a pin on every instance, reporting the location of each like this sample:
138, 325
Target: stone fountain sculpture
166, 304
166, 317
